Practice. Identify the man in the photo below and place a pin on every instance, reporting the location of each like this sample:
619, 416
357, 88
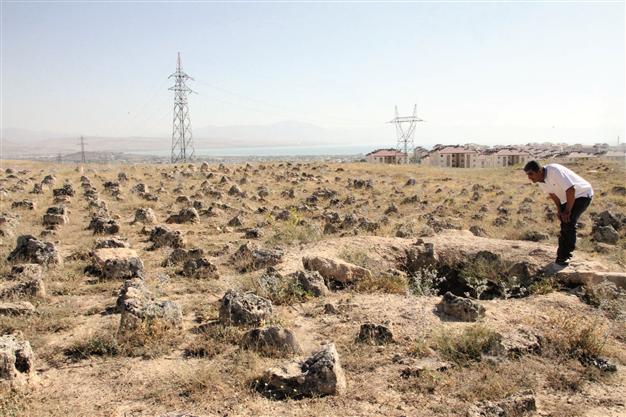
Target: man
572, 195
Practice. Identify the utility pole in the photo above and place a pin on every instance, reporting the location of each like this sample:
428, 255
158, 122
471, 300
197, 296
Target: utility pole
182, 145
82, 149
405, 135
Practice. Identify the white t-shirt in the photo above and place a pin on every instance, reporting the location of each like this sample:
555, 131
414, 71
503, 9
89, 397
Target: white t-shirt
559, 178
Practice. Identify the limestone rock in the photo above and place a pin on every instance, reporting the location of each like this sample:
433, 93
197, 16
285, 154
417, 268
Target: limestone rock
16, 309
66, 190
244, 308
103, 225
55, 216
16, 360
162, 236
199, 268
25, 204
31, 249
463, 309
185, 215
133, 294
321, 374
311, 282
166, 314
519, 405
605, 234
114, 263
252, 258
33, 287
110, 243
335, 270
145, 216
375, 334
26, 271
180, 255
271, 341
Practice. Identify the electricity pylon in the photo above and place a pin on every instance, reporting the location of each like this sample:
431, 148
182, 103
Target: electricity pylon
182, 144
405, 134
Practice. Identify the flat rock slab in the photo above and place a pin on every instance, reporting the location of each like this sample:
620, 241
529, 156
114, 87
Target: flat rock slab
591, 277
16, 309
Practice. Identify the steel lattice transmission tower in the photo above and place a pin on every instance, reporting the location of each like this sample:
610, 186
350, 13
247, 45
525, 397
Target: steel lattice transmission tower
405, 133
82, 149
182, 144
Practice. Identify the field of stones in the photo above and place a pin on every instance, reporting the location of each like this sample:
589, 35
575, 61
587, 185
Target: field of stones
306, 289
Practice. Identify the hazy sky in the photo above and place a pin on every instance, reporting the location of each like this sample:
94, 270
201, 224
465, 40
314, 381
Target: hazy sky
478, 71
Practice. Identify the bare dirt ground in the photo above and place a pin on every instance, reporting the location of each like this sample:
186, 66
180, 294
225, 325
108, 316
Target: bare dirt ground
367, 215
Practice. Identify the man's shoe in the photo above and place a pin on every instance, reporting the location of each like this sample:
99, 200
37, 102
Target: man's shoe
562, 262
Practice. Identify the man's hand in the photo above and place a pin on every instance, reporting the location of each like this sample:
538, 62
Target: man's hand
565, 216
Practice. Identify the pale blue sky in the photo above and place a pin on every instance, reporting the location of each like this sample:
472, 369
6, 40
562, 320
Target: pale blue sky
481, 72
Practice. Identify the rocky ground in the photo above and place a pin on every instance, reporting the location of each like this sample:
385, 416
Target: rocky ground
306, 289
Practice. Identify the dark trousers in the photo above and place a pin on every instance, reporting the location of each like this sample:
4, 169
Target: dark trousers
567, 238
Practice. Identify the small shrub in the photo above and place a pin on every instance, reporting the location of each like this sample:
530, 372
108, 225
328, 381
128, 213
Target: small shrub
483, 271
543, 286
293, 230
466, 346
574, 337
100, 344
287, 291
424, 282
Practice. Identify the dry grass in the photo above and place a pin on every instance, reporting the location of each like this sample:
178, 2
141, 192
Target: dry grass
206, 371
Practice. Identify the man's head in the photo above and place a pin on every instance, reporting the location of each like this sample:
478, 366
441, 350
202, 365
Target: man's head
534, 171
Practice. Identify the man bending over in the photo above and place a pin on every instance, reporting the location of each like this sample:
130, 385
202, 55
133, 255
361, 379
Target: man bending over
572, 195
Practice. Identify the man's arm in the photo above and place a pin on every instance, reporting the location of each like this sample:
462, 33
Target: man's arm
558, 204
570, 193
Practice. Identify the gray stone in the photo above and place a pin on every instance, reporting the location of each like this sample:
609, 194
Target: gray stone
199, 268
311, 282
25, 204
16, 360
162, 236
30, 249
605, 234
115, 263
244, 308
519, 405
18, 308
103, 225
185, 215
166, 314
253, 258
335, 270
461, 308
321, 374
375, 334
110, 243
33, 287
180, 256
271, 341
145, 216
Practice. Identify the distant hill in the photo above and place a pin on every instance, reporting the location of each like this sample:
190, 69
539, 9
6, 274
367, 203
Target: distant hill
16, 142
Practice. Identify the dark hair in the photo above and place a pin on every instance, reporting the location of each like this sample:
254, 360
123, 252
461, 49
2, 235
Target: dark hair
532, 166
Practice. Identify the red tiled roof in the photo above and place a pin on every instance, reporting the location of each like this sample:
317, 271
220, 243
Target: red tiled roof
452, 149
385, 152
